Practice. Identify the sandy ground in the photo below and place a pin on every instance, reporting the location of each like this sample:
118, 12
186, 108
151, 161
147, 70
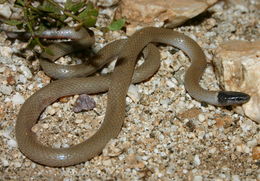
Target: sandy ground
166, 134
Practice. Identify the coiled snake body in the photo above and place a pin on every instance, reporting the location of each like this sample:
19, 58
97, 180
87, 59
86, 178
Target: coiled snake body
116, 84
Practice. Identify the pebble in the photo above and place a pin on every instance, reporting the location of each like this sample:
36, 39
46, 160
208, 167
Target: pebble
243, 148
2, 69
84, 102
18, 99
197, 160
107, 162
256, 153
78, 121
201, 118
197, 178
17, 164
12, 143
5, 10
5, 162
26, 72
50, 110
133, 93
235, 178
22, 79
170, 84
5, 89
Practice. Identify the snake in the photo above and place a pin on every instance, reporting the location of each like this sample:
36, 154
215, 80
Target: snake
79, 79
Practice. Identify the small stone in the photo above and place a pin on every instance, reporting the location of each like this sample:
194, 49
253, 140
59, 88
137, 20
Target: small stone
78, 121
22, 79
10, 80
50, 110
2, 69
17, 164
45, 126
201, 117
26, 72
36, 128
5, 162
5, 10
197, 178
133, 93
170, 84
12, 143
64, 99
235, 178
18, 99
84, 102
107, 162
196, 160
242, 148
256, 153
6, 90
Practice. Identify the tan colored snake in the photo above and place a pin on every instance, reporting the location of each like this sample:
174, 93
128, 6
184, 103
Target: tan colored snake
117, 85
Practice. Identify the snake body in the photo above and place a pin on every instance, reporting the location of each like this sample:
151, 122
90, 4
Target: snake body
116, 84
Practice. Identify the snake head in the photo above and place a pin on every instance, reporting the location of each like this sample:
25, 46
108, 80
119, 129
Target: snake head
227, 98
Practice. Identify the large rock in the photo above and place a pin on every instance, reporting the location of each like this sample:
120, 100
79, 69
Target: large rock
158, 13
238, 68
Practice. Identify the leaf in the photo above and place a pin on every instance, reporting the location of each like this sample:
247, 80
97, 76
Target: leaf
49, 8
13, 22
89, 15
117, 25
32, 43
19, 3
74, 6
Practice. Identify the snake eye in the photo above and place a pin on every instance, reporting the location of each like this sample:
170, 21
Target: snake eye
227, 98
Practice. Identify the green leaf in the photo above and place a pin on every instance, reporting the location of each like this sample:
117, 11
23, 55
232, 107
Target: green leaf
117, 25
32, 43
19, 3
74, 6
89, 15
13, 22
49, 8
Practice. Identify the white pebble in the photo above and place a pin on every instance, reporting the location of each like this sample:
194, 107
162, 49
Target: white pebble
22, 79
7, 90
67, 179
170, 83
78, 121
5, 162
18, 99
6, 52
17, 164
197, 178
26, 71
133, 93
12, 143
5, 10
107, 163
45, 126
212, 150
243, 148
197, 160
50, 110
235, 178
201, 117
165, 102
2, 69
